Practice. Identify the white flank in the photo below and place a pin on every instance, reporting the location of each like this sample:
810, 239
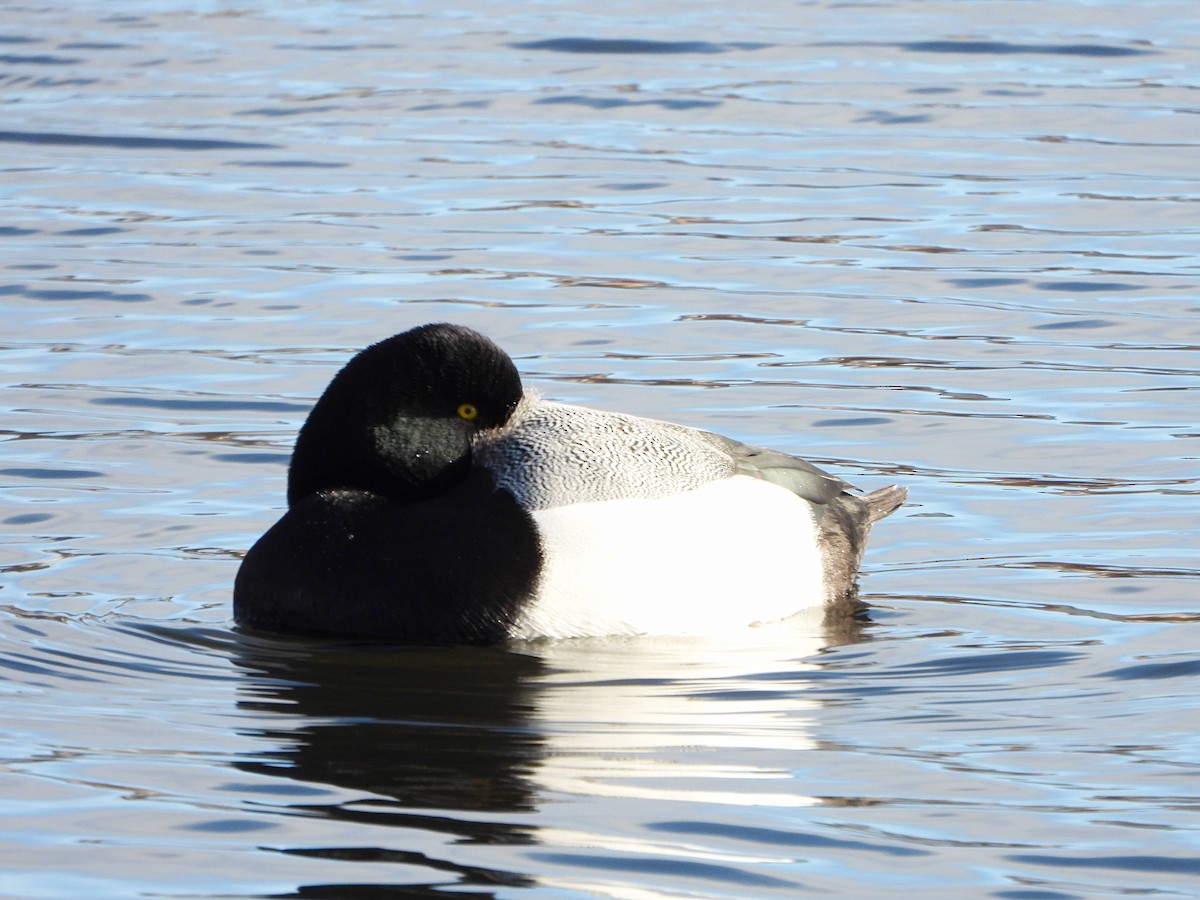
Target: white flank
732, 553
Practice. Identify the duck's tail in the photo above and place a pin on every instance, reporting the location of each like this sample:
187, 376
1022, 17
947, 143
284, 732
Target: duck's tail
844, 528
884, 502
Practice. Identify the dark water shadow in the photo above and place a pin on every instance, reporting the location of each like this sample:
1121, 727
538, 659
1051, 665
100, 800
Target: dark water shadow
71, 295
177, 404
632, 45
38, 59
618, 102
126, 142
45, 473
1004, 48
1000, 48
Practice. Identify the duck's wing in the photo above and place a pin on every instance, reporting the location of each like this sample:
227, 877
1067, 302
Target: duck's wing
799, 476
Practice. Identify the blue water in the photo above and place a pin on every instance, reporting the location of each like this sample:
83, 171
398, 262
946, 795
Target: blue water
952, 245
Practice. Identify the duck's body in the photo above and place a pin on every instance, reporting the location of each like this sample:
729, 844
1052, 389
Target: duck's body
431, 499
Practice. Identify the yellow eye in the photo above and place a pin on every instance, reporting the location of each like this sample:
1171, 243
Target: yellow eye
467, 411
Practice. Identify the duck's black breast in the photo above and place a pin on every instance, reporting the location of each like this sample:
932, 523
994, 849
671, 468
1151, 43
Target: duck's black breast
350, 563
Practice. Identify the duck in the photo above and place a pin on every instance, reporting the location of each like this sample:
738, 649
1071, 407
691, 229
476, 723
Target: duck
431, 498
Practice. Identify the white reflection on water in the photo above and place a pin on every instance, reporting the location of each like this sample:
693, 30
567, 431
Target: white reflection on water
653, 719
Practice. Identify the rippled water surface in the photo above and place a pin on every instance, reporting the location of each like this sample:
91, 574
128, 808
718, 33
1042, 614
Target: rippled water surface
948, 244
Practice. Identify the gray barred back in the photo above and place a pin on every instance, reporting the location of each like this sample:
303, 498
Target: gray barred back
553, 454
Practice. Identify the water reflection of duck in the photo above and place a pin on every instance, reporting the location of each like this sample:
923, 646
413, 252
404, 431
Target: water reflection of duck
432, 499
485, 744
429, 727
426, 742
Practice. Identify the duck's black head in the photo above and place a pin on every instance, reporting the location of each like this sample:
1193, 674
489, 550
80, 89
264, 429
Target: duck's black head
399, 419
